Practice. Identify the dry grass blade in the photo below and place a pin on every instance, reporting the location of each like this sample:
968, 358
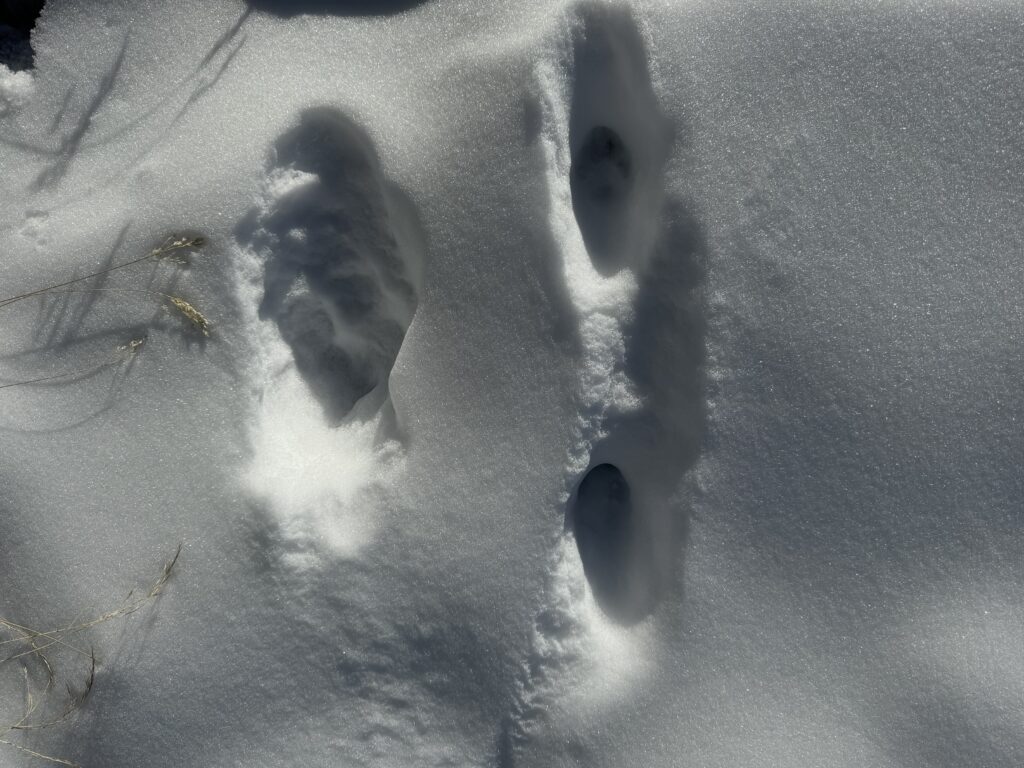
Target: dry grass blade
177, 248
186, 308
123, 352
129, 606
158, 586
75, 702
40, 755
34, 643
192, 314
174, 248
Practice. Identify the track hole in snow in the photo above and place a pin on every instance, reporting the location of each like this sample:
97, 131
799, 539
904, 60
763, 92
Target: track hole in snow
600, 180
601, 169
611, 537
290, 8
342, 252
619, 140
17, 18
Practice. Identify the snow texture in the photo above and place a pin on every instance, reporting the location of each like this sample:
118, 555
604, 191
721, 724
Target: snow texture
601, 383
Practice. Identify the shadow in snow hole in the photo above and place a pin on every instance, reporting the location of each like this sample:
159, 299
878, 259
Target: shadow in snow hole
289, 8
17, 18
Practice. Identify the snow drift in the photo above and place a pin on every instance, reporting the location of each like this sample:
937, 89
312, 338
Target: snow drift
593, 383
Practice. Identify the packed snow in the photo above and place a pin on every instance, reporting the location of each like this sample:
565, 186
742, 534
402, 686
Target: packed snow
528, 384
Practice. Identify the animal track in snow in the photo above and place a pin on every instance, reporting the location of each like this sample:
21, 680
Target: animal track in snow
614, 542
343, 251
642, 414
601, 169
618, 139
632, 260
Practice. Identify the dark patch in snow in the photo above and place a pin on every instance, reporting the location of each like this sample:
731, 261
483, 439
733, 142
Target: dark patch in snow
342, 249
17, 18
289, 8
505, 754
600, 170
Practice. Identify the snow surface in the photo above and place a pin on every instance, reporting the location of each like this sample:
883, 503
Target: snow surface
591, 384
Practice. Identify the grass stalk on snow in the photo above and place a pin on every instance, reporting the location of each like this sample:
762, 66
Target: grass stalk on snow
174, 248
122, 353
25, 644
187, 310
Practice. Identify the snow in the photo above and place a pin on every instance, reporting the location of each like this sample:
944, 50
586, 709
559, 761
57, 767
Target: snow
597, 383
15, 90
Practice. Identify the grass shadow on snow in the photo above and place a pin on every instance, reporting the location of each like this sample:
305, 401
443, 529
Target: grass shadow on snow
80, 118
938, 728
